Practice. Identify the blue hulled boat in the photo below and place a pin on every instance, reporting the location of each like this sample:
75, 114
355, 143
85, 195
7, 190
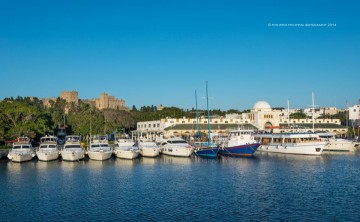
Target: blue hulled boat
205, 149
241, 143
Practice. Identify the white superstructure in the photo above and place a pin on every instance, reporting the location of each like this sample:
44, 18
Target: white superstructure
126, 149
99, 148
336, 144
148, 148
291, 143
48, 149
176, 147
72, 150
21, 150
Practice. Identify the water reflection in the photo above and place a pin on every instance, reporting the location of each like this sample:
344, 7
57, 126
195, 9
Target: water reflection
98, 165
176, 160
149, 160
15, 167
69, 166
125, 163
41, 165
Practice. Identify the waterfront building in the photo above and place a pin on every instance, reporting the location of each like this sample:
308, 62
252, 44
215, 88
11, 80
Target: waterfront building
354, 115
261, 117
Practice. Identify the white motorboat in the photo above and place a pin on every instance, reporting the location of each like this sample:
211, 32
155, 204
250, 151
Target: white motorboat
336, 144
148, 148
291, 143
22, 150
126, 149
99, 148
176, 147
48, 149
72, 150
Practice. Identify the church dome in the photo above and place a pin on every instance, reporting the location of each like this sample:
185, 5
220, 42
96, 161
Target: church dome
261, 105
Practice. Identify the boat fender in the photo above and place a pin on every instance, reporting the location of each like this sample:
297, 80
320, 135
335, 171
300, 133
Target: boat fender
241, 137
251, 138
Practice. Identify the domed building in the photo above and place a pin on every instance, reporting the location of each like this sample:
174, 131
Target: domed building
263, 117
261, 106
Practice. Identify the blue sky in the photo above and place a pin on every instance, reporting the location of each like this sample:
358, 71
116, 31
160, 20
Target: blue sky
160, 52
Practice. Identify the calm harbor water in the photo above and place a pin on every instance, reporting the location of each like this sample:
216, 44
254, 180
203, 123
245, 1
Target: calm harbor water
268, 187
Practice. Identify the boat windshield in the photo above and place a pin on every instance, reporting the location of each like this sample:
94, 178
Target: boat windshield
17, 147
176, 141
25, 146
52, 146
72, 146
43, 146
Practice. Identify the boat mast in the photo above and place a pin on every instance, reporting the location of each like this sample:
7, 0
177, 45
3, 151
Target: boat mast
208, 112
197, 115
313, 112
288, 111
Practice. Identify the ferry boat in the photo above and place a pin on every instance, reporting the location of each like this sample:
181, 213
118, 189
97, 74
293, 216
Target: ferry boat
148, 148
336, 144
72, 150
126, 149
99, 148
22, 150
48, 149
176, 147
241, 142
292, 143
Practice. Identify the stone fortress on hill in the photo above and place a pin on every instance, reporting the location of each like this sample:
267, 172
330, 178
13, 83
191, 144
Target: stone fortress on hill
103, 102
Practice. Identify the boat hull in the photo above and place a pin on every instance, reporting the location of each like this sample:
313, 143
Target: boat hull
47, 155
304, 149
72, 155
20, 157
149, 152
126, 154
340, 146
207, 152
180, 152
99, 155
245, 150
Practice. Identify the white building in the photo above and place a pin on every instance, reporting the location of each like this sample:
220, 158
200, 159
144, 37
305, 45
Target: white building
354, 115
261, 116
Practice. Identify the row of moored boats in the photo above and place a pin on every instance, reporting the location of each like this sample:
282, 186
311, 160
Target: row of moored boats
239, 142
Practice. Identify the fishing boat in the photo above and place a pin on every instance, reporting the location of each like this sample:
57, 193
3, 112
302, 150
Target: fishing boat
21, 150
148, 148
240, 142
72, 150
292, 143
126, 149
48, 149
176, 147
205, 149
99, 148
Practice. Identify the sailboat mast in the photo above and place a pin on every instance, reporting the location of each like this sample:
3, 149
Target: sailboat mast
208, 112
313, 112
288, 111
197, 114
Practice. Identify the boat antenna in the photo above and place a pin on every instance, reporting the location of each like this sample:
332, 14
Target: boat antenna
208, 112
